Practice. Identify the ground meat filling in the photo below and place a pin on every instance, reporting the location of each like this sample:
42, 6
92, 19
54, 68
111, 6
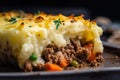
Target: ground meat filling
71, 57
73, 52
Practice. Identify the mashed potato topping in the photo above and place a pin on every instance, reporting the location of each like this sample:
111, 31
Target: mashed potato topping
29, 33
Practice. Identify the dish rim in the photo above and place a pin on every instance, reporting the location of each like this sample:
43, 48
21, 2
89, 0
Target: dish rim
57, 73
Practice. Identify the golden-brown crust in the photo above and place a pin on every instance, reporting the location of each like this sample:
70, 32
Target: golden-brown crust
43, 16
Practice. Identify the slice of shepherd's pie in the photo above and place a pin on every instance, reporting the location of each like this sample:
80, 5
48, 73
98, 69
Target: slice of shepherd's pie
49, 42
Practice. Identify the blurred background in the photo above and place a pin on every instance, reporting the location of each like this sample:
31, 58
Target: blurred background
94, 8
106, 13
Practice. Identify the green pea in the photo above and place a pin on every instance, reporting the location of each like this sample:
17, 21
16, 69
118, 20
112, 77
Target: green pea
74, 63
33, 57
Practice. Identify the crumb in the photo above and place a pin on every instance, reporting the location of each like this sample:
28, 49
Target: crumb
113, 57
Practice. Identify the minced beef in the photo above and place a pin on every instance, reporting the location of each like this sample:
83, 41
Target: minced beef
72, 51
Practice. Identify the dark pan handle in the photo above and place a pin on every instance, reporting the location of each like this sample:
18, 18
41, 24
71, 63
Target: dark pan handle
111, 45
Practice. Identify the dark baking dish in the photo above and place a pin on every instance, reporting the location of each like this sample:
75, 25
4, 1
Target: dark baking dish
110, 70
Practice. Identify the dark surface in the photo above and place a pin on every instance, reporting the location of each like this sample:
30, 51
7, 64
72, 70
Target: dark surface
101, 75
50, 10
109, 8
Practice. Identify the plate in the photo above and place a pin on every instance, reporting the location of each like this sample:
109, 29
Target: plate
110, 70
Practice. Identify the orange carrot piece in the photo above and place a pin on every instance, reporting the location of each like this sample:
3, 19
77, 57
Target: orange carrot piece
63, 63
90, 48
92, 57
52, 67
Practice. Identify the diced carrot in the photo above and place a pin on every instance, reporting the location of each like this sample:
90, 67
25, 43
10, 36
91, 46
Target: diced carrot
52, 67
90, 48
63, 63
92, 57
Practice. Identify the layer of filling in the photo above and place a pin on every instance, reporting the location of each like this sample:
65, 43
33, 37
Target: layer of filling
71, 57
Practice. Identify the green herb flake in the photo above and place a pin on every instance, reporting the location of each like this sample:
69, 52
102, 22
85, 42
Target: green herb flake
30, 26
33, 57
57, 23
13, 20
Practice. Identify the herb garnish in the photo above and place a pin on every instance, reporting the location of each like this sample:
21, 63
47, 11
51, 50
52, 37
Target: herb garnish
57, 23
13, 20
29, 26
